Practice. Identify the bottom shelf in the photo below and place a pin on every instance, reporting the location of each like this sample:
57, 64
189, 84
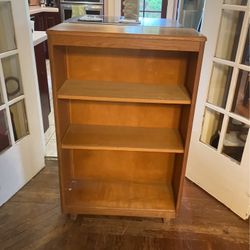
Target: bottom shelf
120, 198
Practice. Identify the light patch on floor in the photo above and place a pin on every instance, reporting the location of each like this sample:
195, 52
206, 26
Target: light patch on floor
50, 135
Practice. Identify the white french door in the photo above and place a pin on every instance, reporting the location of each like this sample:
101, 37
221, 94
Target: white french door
219, 150
21, 134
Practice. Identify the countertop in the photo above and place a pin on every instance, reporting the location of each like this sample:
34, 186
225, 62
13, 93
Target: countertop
169, 31
39, 37
107, 20
39, 9
127, 36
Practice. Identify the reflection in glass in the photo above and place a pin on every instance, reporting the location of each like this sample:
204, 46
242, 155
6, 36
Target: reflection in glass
229, 34
245, 56
12, 76
235, 2
211, 127
241, 101
7, 37
19, 120
219, 84
4, 132
235, 139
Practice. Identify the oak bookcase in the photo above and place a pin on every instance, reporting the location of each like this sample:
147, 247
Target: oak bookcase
124, 101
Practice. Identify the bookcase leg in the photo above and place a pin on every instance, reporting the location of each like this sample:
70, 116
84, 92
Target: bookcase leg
73, 217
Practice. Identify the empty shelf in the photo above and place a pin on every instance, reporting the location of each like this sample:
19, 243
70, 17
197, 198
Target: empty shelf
122, 138
121, 198
124, 92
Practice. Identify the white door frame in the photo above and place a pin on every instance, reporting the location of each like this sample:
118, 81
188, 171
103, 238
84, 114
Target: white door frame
20, 162
216, 173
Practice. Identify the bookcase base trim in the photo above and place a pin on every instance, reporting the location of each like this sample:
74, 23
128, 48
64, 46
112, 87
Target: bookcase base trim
116, 212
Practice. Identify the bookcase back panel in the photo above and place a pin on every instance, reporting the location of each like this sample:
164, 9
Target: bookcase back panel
65, 170
124, 166
58, 66
192, 74
63, 120
125, 114
127, 65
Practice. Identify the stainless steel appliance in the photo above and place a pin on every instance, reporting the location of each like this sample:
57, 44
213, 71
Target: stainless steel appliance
92, 7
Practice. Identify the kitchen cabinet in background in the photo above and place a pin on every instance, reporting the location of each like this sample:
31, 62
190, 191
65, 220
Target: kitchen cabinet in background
51, 19
40, 57
44, 21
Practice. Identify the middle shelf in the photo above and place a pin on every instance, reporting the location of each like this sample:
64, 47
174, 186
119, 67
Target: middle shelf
124, 92
98, 137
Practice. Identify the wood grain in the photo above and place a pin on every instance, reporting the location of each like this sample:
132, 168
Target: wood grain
124, 92
116, 120
127, 65
32, 219
192, 84
125, 114
133, 37
125, 166
122, 138
120, 198
128, 31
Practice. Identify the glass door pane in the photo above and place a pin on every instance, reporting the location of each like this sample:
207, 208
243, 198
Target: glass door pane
12, 87
235, 139
245, 56
228, 93
4, 132
1, 94
229, 34
19, 120
211, 128
219, 84
7, 37
241, 97
12, 76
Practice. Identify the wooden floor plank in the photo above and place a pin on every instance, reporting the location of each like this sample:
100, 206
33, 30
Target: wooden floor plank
32, 220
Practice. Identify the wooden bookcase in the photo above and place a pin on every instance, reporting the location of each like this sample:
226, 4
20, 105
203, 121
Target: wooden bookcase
124, 101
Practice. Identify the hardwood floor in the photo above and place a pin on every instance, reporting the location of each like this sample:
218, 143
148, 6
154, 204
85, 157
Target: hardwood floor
32, 220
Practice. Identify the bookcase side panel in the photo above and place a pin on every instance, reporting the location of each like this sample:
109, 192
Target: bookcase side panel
186, 121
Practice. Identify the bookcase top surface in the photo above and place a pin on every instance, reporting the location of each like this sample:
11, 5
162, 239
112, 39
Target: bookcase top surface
175, 33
